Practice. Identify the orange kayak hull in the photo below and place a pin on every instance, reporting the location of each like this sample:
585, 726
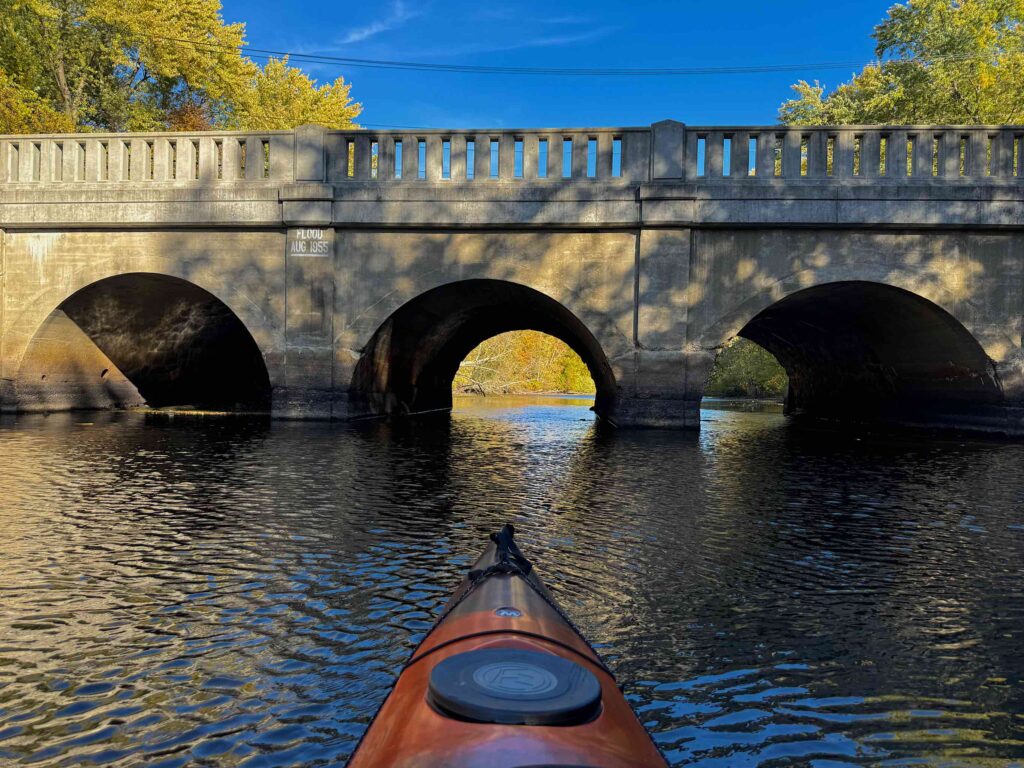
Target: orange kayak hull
503, 610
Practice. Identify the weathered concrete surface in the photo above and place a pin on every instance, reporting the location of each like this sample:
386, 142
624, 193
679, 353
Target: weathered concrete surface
885, 298
75, 270
577, 286
64, 369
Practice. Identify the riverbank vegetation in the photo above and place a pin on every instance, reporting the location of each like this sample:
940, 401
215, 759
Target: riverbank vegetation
520, 362
136, 65
743, 369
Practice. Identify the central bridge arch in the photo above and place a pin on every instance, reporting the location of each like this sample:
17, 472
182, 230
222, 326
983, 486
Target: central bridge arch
410, 362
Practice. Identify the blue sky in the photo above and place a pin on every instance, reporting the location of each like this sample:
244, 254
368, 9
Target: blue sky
597, 33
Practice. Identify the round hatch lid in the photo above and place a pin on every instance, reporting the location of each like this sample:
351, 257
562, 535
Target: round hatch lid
514, 687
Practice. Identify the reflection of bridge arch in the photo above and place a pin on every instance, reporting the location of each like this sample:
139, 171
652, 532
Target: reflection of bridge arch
138, 338
410, 362
864, 349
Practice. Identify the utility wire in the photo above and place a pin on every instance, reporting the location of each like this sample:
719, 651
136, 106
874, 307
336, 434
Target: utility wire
545, 71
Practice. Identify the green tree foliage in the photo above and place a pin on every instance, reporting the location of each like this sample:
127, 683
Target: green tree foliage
152, 64
940, 61
520, 362
743, 369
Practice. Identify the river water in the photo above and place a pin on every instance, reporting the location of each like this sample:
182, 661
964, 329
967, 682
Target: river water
226, 592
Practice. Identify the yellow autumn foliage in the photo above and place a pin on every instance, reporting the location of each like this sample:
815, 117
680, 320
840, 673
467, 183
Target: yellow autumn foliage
523, 362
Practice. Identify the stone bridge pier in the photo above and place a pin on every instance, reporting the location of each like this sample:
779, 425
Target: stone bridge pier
345, 274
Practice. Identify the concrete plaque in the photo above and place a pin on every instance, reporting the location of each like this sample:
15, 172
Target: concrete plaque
310, 241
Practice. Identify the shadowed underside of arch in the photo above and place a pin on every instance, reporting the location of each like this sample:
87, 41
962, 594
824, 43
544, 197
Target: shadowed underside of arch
410, 363
143, 338
870, 351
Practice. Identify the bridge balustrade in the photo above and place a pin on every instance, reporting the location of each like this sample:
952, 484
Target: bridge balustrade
584, 154
895, 154
179, 158
667, 151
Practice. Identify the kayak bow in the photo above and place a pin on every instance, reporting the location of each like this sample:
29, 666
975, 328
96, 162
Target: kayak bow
504, 680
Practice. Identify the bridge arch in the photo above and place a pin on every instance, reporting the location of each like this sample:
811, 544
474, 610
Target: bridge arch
871, 350
140, 338
410, 361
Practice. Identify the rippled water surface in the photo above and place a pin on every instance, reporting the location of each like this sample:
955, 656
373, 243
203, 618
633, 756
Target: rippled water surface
237, 593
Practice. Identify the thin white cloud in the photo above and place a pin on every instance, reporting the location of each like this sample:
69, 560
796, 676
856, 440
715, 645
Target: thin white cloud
399, 14
540, 41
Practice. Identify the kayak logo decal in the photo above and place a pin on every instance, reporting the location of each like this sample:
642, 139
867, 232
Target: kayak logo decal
514, 679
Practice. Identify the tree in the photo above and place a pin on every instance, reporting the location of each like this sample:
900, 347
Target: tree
940, 61
743, 369
279, 95
22, 111
150, 64
520, 362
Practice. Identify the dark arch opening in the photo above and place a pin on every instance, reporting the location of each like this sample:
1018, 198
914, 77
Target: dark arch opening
410, 363
870, 351
143, 338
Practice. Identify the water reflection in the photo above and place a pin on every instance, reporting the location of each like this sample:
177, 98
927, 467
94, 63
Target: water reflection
241, 593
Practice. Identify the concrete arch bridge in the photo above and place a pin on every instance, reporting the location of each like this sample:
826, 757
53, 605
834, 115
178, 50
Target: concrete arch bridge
344, 274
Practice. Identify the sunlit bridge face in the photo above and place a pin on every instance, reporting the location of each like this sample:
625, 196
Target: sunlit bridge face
143, 339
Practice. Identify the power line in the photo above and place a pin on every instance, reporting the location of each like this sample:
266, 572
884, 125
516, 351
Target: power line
313, 58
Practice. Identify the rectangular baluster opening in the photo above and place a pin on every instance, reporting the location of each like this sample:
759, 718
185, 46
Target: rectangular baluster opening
80, 162
936, 150
517, 158
470, 159
805, 154
13, 162
150, 156
243, 148
727, 156
617, 157
266, 158
591, 158
990, 142
218, 148
57, 162
963, 155
858, 147
446, 158
542, 159
566, 158
911, 151
37, 160
830, 155
1017, 146
421, 158
398, 159
883, 155
777, 150
127, 168
374, 159
752, 156
172, 158
350, 158
495, 159
702, 156
104, 160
